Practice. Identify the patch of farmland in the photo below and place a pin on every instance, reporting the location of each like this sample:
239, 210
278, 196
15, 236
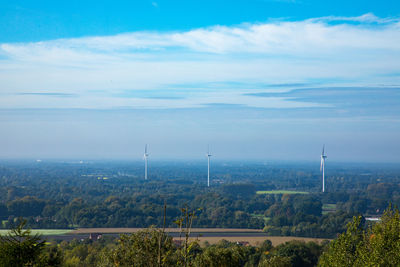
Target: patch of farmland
326, 208
168, 230
280, 192
42, 231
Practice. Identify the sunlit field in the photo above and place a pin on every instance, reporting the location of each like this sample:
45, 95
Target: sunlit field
277, 192
43, 231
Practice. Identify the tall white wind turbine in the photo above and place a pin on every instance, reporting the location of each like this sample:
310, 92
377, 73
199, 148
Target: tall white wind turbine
323, 158
208, 155
145, 156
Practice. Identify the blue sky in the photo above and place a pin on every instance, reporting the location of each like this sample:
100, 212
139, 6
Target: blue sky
30, 20
265, 80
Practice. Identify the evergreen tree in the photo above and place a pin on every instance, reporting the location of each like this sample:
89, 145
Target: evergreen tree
20, 248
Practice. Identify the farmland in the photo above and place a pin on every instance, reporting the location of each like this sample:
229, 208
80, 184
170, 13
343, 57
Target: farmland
210, 235
168, 230
43, 231
280, 192
326, 208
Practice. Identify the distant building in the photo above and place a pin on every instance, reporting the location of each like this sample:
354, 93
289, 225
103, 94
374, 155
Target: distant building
243, 243
373, 219
95, 236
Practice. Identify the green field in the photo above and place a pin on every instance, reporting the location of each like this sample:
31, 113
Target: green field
326, 208
43, 231
276, 192
329, 207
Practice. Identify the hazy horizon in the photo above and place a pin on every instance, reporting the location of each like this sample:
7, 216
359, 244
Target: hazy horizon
315, 163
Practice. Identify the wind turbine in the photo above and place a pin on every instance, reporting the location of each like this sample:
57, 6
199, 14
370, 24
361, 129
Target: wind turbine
145, 156
322, 168
208, 155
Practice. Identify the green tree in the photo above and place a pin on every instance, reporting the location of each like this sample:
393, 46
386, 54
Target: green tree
223, 254
141, 249
185, 225
342, 251
301, 254
26, 206
276, 261
377, 246
381, 244
20, 248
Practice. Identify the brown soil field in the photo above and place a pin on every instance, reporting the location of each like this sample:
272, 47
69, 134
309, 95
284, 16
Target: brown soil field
255, 240
215, 238
168, 230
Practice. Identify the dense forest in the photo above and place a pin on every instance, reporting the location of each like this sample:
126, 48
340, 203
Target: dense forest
114, 194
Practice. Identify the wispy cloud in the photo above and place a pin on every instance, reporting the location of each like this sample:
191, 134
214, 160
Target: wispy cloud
365, 18
292, 53
284, 37
50, 94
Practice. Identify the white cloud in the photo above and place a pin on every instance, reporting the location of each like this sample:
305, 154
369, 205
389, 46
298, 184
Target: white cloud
276, 52
311, 36
365, 18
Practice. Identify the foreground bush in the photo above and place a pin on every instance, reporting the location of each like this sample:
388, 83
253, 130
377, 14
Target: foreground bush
377, 246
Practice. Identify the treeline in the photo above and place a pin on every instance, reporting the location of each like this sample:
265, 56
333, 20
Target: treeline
140, 210
217, 209
295, 215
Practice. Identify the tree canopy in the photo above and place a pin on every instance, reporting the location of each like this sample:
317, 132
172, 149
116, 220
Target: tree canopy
378, 245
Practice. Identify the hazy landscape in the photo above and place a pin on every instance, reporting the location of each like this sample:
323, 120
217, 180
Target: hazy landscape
249, 203
281, 198
206, 133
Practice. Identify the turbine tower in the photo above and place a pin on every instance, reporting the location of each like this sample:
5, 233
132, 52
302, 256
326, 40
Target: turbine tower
208, 155
322, 168
145, 156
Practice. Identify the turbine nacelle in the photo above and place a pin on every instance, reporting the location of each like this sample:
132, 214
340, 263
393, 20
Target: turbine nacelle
323, 153
146, 154
208, 152
323, 157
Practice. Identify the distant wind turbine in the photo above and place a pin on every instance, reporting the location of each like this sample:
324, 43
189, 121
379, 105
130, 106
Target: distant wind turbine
145, 156
323, 158
208, 157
